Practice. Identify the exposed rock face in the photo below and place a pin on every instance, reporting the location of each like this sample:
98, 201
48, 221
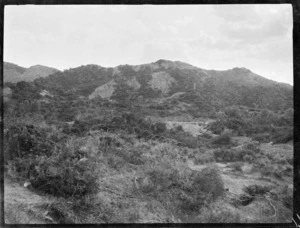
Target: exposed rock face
116, 71
161, 81
133, 83
136, 68
104, 91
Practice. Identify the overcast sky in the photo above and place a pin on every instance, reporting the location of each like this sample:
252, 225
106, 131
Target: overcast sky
220, 37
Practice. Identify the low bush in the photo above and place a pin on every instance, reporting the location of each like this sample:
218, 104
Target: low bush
176, 186
217, 127
283, 135
202, 158
236, 166
179, 128
225, 155
21, 140
209, 181
257, 189
60, 175
262, 137
285, 194
247, 153
185, 139
51, 164
222, 140
206, 135
85, 210
268, 168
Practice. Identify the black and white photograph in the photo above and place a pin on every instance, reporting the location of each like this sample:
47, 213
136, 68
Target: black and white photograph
148, 114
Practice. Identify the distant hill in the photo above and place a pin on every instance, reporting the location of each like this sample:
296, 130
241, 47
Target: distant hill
203, 89
15, 73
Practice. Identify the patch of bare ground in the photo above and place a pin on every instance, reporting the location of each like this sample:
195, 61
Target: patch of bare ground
22, 206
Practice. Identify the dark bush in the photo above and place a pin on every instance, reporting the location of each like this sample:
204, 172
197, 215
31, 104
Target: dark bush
40, 155
236, 125
225, 155
202, 158
257, 189
209, 181
283, 135
206, 135
60, 175
237, 166
179, 128
185, 139
217, 127
159, 128
222, 140
22, 140
233, 155
262, 137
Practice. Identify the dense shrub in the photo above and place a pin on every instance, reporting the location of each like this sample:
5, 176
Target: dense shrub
185, 139
283, 135
217, 127
61, 176
209, 181
285, 194
225, 155
262, 137
237, 166
176, 186
237, 125
22, 140
268, 168
51, 164
179, 128
222, 140
232, 155
257, 189
202, 158
206, 135
205, 187
263, 125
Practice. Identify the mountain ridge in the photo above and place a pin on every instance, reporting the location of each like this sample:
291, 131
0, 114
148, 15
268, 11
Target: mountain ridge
202, 90
16, 73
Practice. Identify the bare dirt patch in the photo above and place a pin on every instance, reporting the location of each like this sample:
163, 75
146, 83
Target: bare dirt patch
22, 206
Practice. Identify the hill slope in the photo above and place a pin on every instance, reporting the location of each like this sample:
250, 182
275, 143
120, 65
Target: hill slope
15, 73
203, 89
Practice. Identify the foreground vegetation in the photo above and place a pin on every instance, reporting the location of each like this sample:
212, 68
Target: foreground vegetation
128, 174
114, 162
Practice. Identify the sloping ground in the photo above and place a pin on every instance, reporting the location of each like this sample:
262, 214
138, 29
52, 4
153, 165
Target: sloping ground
235, 184
261, 210
121, 191
22, 206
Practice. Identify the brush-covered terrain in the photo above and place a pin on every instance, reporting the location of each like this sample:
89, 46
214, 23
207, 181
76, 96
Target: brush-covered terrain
80, 147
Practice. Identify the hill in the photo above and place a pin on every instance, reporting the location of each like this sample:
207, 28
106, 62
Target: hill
206, 90
164, 142
15, 73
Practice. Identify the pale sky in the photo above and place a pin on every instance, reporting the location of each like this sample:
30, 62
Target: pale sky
220, 37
